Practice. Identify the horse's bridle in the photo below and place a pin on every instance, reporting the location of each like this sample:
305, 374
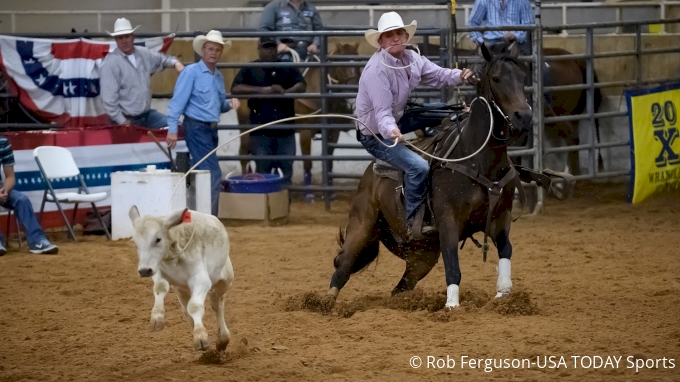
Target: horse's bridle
507, 121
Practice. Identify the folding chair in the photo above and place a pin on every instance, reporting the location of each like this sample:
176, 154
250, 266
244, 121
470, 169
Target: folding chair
57, 162
9, 221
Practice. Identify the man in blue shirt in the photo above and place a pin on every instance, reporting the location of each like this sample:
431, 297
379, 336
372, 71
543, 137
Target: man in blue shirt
495, 13
264, 110
199, 95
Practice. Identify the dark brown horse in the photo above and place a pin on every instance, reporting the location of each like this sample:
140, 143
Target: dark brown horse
461, 204
305, 106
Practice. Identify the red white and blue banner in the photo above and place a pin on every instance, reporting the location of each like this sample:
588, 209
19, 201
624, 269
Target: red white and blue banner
58, 80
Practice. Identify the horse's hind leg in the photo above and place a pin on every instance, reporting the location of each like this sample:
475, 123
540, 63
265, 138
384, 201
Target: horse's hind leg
359, 243
418, 265
306, 150
333, 138
244, 149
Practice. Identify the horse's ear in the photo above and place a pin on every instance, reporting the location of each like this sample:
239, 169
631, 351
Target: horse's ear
514, 50
356, 46
485, 52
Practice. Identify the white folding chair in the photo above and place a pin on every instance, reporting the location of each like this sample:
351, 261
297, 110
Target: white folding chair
57, 162
9, 222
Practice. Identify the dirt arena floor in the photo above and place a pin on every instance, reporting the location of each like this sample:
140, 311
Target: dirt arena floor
593, 276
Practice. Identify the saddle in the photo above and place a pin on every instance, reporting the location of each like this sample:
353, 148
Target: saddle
438, 137
427, 121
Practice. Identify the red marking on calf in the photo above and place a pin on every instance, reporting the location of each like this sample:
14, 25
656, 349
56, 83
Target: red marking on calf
186, 216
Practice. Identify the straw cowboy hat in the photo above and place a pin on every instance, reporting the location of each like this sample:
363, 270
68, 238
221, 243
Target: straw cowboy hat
389, 21
122, 26
212, 36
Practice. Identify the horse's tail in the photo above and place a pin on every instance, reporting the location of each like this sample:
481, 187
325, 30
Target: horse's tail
363, 258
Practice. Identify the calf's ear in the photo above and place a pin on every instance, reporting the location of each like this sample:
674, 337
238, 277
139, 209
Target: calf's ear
134, 213
174, 219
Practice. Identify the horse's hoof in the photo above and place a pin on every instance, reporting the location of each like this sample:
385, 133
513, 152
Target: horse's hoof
309, 198
326, 304
501, 294
450, 308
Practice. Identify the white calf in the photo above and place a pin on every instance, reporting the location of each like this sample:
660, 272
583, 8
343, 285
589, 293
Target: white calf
193, 257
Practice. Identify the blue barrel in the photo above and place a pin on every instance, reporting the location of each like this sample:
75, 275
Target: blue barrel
252, 183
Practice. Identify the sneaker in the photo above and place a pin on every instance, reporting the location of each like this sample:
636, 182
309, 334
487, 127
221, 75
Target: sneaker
45, 248
3, 250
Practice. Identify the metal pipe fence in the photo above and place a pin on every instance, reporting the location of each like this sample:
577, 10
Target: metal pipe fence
534, 149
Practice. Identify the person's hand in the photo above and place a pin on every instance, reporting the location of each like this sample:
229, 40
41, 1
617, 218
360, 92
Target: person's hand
234, 103
171, 140
281, 48
179, 66
469, 76
509, 37
312, 48
3, 195
126, 122
277, 89
396, 135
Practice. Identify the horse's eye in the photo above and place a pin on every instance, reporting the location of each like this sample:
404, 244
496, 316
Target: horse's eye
496, 79
158, 240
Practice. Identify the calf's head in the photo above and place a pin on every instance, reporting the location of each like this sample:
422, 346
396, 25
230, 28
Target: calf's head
152, 237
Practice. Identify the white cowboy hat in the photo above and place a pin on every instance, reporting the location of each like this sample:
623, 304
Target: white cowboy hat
122, 26
212, 36
389, 21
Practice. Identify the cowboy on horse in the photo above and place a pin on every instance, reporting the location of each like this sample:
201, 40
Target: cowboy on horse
389, 76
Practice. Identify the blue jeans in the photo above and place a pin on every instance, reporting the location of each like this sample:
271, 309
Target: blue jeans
23, 209
416, 169
201, 139
151, 119
274, 145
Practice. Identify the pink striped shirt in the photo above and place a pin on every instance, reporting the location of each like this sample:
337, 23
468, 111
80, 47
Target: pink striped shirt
383, 91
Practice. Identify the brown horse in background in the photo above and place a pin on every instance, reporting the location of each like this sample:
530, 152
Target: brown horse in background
306, 106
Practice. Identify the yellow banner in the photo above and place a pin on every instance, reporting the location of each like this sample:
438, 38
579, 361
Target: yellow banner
655, 141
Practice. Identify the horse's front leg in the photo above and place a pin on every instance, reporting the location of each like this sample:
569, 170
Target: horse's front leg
502, 240
448, 237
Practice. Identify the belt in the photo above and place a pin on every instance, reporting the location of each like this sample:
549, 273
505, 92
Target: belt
142, 115
211, 124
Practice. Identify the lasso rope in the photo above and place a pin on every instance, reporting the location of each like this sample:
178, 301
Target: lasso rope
296, 58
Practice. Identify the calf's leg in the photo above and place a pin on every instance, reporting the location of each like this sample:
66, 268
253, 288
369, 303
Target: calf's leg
160, 289
217, 302
183, 295
195, 308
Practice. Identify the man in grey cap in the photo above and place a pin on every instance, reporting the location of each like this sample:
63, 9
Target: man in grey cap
292, 15
126, 79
